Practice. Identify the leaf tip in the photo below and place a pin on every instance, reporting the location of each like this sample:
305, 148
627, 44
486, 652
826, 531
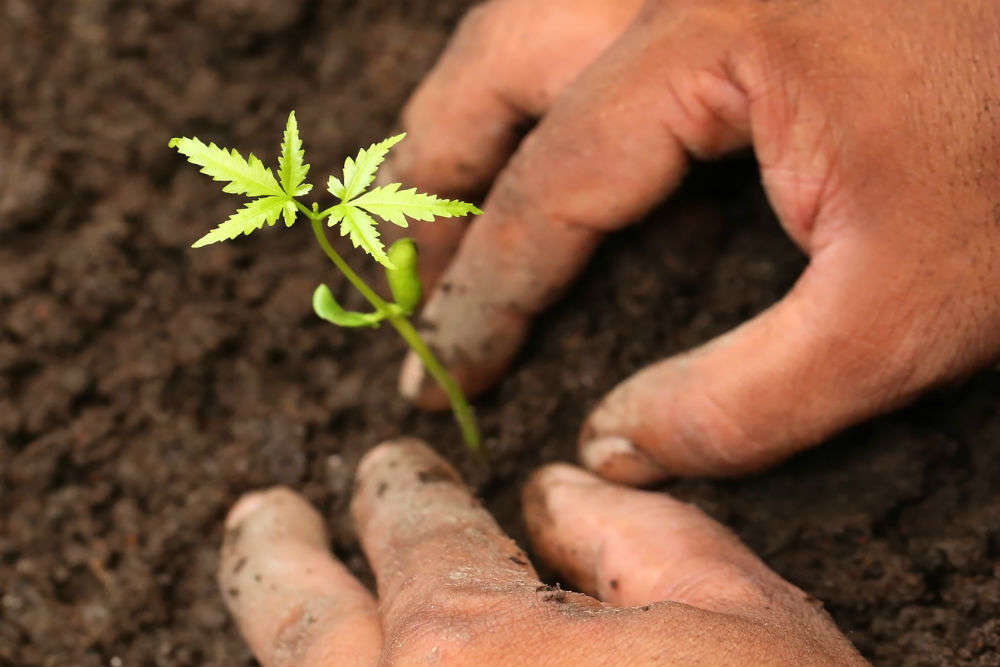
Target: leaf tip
320, 297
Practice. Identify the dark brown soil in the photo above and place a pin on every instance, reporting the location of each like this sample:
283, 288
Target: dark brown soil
144, 386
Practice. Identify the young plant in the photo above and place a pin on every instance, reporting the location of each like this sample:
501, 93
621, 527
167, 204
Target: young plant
273, 197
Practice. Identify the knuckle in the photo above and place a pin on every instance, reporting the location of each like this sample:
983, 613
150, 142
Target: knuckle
708, 584
298, 632
447, 624
429, 642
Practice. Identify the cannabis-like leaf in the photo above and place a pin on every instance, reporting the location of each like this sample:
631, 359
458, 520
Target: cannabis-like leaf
361, 228
291, 169
387, 201
251, 178
360, 172
393, 205
276, 197
246, 177
248, 219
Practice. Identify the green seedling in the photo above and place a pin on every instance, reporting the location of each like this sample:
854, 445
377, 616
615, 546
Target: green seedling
273, 197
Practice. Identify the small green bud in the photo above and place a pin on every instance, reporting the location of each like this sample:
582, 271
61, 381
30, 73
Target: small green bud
403, 280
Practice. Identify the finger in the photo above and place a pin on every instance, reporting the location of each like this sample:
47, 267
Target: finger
505, 65
832, 352
632, 548
612, 146
635, 548
439, 558
295, 605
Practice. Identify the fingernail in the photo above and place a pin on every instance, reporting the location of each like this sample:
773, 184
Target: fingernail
618, 459
411, 377
243, 508
562, 474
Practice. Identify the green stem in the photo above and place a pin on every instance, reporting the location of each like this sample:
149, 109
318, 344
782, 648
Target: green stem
459, 405
317, 224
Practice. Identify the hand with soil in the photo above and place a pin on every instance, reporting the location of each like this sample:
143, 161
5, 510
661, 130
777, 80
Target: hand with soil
877, 131
677, 588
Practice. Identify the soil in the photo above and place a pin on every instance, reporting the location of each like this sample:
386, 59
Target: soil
144, 386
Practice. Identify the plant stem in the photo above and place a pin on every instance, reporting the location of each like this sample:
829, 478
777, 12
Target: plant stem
317, 224
459, 405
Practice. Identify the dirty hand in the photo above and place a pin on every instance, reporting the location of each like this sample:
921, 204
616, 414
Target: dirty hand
678, 589
877, 130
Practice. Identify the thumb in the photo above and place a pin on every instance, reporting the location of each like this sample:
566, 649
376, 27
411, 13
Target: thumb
847, 342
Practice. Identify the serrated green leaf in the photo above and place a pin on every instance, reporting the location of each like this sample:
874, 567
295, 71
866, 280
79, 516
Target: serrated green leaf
247, 220
289, 212
291, 169
362, 230
245, 177
360, 171
335, 187
395, 205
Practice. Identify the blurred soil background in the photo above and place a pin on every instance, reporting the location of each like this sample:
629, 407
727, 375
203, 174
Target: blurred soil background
144, 386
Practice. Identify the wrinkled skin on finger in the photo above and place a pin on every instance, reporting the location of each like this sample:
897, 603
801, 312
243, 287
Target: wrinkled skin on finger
877, 131
667, 585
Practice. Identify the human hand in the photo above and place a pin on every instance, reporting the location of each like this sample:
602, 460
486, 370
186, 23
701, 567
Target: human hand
877, 130
677, 588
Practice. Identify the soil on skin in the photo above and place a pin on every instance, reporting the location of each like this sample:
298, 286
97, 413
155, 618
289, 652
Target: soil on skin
144, 386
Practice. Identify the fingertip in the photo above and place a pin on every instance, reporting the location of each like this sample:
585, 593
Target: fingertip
293, 603
258, 517
607, 444
414, 385
631, 547
391, 472
539, 487
420, 389
426, 534
473, 373
536, 489
389, 455
550, 501
617, 459
248, 504
554, 474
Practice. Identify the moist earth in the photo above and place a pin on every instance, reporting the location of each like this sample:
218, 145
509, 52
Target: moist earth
144, 386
